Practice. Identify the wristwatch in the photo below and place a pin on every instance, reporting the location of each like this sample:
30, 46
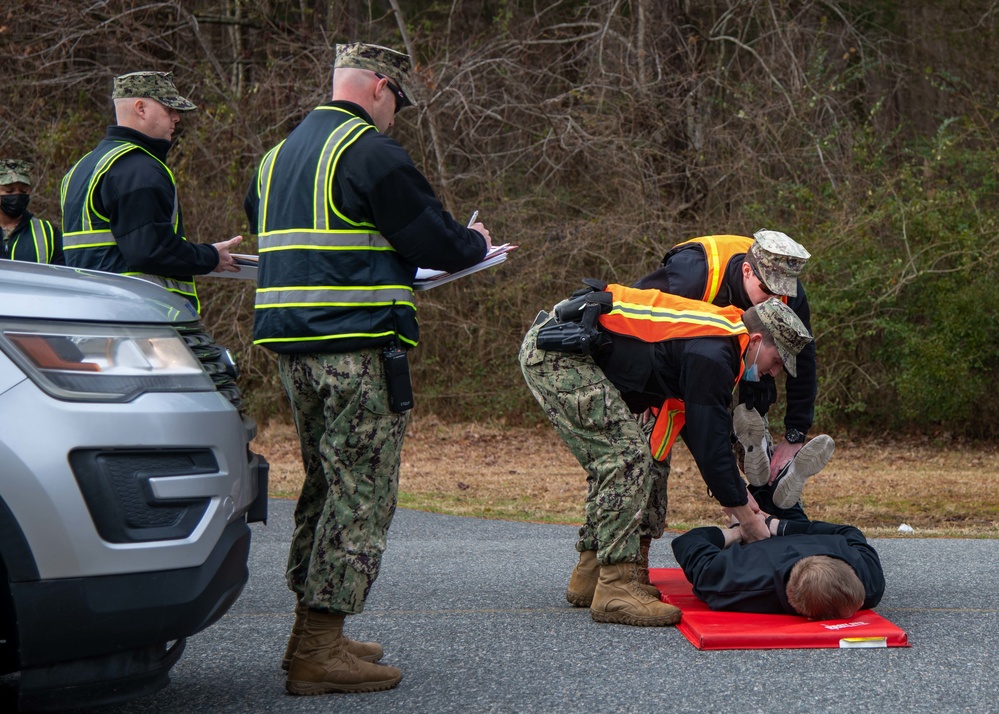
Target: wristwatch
793, 436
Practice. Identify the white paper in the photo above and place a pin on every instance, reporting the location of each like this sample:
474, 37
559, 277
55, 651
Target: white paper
425, 278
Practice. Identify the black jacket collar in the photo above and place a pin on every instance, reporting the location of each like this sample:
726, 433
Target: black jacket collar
157, 147
352, 108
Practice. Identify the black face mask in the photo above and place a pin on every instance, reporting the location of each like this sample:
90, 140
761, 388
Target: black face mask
14, 204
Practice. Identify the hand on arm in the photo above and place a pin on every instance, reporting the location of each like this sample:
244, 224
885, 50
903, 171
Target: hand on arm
732, 535
226, 261
751, 523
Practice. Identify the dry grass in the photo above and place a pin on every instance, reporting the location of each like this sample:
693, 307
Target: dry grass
494, 471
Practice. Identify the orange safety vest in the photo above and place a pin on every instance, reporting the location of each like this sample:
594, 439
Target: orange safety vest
718, 251
655, 316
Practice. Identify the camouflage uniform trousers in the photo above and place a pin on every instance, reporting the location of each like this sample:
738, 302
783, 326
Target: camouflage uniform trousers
590, 415
654, 514
351, 446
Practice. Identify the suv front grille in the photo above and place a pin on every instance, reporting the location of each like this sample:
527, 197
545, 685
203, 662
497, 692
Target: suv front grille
215, 360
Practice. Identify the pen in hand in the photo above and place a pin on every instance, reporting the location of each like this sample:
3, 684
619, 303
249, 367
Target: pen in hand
475, 216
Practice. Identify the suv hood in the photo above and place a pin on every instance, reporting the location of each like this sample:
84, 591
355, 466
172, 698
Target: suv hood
52, 292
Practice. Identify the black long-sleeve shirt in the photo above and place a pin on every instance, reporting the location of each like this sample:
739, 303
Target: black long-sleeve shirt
686, 274
377, 181
752, 577
137, 196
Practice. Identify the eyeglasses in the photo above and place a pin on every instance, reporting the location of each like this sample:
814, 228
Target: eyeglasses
763, 285
400, 98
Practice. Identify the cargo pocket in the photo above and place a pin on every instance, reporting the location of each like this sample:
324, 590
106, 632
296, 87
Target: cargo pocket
530, 355
584, 397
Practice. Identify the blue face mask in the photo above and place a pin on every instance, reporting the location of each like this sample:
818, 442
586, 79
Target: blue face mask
752, 373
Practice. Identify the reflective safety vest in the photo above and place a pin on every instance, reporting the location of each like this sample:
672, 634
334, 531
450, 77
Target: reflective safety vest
718, 251
87, 239
42, 244
325, 283
654, 316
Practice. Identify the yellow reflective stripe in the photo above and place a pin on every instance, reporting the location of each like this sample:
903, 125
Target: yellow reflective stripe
318, 247
40, 240
329, 181
263, 181
63, 185
331, 296
636, 311
322, 240
102, 168
86, 239
322, 190
714, 269
322, 186
346, 335
670, 431
341, 110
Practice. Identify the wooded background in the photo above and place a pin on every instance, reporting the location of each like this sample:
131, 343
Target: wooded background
595, 135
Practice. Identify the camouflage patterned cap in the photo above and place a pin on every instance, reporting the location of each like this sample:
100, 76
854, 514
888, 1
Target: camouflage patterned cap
383, 60
151, 85
778, 260
15, 171
788, 331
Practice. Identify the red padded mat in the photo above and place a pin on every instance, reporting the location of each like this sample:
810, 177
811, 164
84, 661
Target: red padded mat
710, 630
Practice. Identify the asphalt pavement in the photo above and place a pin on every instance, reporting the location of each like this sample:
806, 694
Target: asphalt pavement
474, 613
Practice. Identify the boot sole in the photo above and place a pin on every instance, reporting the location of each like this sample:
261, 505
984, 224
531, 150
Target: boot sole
755, 461
620, 618
309, 689
811, 459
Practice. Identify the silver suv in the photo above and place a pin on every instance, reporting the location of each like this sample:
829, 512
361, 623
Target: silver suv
126, 484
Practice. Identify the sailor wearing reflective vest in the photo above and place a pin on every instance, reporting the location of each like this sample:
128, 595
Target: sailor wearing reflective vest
741, 271
120, 209
25, 236
344, 218
682, 359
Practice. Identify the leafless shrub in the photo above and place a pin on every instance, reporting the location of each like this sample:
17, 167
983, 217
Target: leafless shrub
592, 134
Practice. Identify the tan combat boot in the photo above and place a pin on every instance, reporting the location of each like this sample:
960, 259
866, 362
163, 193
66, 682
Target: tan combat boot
368, 651
322, 664
583, 580
621, 598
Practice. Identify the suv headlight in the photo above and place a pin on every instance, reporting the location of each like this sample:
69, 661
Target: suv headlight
103, 363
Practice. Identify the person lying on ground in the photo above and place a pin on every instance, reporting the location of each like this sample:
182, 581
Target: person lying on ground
822, 571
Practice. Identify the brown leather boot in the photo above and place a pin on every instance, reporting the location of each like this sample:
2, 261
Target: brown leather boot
583, 580
621, 598
322, 664
368, 651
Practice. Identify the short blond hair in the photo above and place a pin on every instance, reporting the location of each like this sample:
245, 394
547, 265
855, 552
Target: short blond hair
824, 588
